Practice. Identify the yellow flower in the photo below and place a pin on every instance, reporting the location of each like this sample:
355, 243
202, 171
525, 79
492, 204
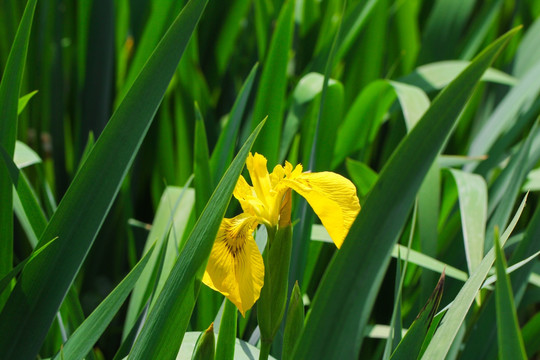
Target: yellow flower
236, 267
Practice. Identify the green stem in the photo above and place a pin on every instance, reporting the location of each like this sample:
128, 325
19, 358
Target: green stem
265, 350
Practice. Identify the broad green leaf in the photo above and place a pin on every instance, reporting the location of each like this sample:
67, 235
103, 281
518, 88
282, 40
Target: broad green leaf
472, 192
411, 344
24, 156
10, 87
444, 336
359, 266
87, 334
23, 101
36, 298
270, 100
510, 340
162, 333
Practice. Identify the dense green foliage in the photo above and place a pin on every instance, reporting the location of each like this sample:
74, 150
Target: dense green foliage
125, 124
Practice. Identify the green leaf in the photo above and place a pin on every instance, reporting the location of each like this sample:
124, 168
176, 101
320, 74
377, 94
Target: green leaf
362, 176
10, 87
472, 192
162, 334
243, 350
4, 282
531, 332
32, 210
294, 322
270, 100
204, 349
44, 282
510, 340
411, 344
224, 149
23, 101
444, 336
227, 332
24, 156
174, 210
87, 334
437, 75
360, 264
201, 165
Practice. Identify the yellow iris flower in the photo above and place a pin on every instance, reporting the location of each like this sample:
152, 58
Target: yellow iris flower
236, 267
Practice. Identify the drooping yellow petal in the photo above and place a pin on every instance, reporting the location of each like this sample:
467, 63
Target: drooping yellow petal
332, 197
236, 267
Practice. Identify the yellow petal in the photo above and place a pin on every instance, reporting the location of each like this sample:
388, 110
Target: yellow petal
236, 267
332, 197
256, 165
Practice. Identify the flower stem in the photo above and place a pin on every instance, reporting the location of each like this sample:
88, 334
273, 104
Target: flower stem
265, 350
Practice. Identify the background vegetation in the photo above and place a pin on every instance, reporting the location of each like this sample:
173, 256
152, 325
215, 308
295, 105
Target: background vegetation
119, 121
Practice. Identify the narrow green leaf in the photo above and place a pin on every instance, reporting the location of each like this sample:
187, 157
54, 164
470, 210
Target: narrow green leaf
294, 322
531, 333
435, 76
243, 351
24, 156
162, 334
472, 192
227, 332
204, 349
27, 197
411, 344
10, 87
87, 334
510, 341
201, 164
175, 207
382, 217
224, 149
23, 101
270, 100
445, 334
4, 282
362, 176
44, 282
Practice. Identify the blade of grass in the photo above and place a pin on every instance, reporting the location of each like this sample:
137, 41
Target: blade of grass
161, 335
45, 281
382, 217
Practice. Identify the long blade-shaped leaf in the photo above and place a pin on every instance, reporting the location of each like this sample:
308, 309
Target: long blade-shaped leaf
510, 341
44, 282
9, 103
162, 333
445, 334
86, 335
359, 266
